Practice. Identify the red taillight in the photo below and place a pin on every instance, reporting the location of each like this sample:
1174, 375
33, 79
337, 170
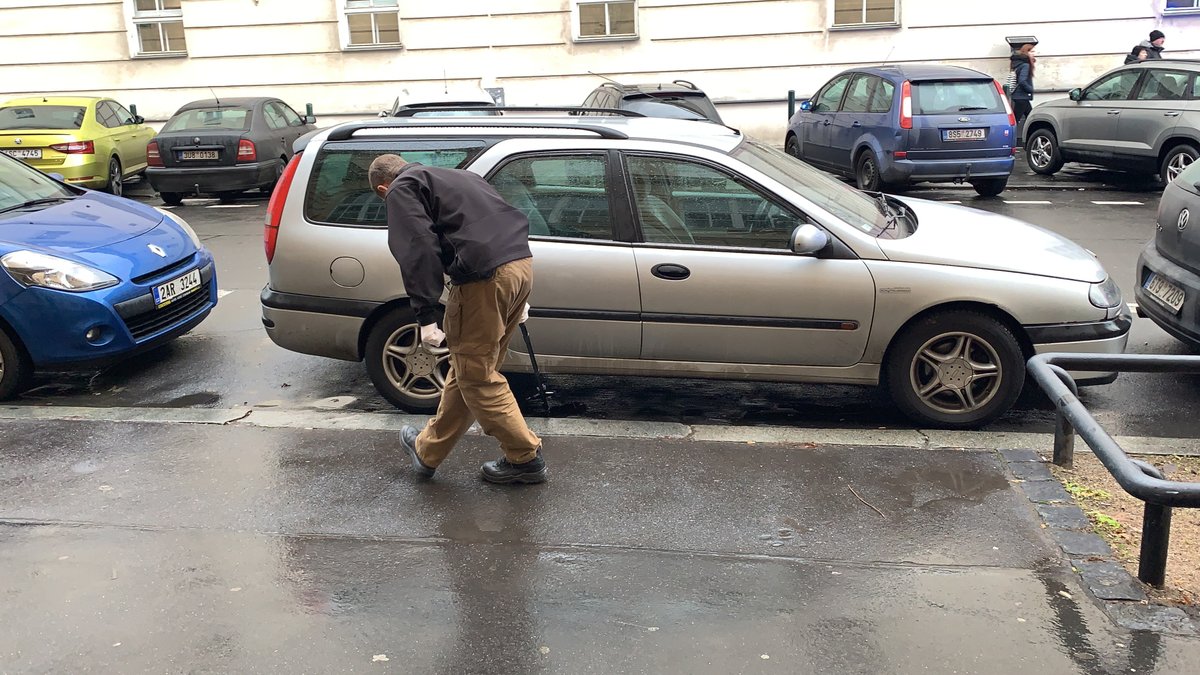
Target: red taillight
76, 148
906, 105
900, 154
246, 151
152, 156
1012, 119
275, 206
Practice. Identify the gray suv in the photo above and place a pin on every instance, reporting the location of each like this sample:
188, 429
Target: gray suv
669, 248
1142, 117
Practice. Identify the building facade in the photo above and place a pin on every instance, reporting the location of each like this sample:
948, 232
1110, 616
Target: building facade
352, 58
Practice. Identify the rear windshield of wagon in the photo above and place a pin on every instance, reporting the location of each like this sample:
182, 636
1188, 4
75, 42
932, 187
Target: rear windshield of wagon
956, 97
338, 191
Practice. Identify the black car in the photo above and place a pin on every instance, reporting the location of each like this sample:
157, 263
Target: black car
678, 99
1168, 270
223, 147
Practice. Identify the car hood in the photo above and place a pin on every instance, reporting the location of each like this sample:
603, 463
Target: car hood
956, 235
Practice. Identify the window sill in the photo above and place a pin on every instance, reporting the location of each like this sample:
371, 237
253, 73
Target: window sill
1176, 11
606, 38
865, 26
395, 46
160, 55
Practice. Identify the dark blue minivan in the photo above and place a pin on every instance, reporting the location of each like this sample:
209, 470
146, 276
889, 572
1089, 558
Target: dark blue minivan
888, 126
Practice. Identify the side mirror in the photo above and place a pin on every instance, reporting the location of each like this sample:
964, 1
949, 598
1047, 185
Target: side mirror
1075, 94
383, 113
809, 239
310, 119
138, 119
806, 105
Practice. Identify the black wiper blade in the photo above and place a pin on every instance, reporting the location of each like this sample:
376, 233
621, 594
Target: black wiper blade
965, 108
888, 216
35, 202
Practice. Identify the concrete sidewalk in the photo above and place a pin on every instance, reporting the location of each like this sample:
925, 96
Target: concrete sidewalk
143, 547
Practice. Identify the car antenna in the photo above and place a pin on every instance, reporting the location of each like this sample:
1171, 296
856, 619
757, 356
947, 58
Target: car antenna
210, 89
605, 77
445, 83
889, 55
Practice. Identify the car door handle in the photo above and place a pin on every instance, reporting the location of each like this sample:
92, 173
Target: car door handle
1173, 113
670, 271
856, 124
826, 122
1114, 112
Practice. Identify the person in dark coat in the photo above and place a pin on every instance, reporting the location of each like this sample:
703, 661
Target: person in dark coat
1021, 62
1147, 49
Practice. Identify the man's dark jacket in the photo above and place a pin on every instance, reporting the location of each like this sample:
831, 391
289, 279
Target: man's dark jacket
1153, 52
449, 221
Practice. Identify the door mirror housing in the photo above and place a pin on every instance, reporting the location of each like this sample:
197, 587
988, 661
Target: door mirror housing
310, 119
806, 105
138, 119
809, 239
1075, 94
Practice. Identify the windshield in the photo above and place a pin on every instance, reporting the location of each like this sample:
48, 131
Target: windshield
848, 204
20, 184
210, 119
41, 117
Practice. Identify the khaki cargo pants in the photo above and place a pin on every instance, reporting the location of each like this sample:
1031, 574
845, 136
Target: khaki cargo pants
481, 317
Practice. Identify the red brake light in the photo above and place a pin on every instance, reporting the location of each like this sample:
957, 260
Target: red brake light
246, 151
906, 105
76, 148
1012, 119
152, 156
275, 206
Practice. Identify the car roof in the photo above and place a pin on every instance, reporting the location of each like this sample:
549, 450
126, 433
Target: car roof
678, 86
923, 71
231, 102
56, 100
1183, 64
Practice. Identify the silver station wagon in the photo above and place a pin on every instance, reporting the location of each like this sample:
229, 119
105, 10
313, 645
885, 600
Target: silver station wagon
682, 248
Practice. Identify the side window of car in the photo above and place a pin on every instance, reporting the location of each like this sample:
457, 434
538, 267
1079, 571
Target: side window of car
562, 195
1115, 87
105, 115
881, 98
858, 94
680, 201
275, 118
289, 116
831, 95
338, 192
124, 117
1164, 85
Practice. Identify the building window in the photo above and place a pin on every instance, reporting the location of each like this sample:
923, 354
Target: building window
157, 28
1182, 7
369, 24
866, 12
605, 20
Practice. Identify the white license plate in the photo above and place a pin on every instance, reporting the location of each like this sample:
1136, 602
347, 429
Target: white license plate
23, 153
964, 134
165, 294
1165, 292
199, 154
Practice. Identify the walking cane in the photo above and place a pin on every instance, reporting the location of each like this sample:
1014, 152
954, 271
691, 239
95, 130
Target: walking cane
537, 373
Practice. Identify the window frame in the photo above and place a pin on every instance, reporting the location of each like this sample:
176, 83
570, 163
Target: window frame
816, 100
1133, 89
1176, 11
343, 16
1188, 88
577, 36
870, 93
103, 110
617, 201
863, 25
135, 18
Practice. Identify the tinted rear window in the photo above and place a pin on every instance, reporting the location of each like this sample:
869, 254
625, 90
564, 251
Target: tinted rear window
698, 103
41, 117
338, 193
952, 97
210, 119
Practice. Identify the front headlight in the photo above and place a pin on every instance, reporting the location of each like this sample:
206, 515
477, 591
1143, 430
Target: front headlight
1105, 294
182, 225
38, 269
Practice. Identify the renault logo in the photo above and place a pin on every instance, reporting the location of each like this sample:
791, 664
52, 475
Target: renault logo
1183, 220
157, 250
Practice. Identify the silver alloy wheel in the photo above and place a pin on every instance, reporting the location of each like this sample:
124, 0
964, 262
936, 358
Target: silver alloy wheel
1040, 152
956, 373
415, 370
1177, 164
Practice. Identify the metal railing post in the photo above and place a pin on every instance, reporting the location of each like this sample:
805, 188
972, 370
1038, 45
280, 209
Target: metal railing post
791, 103
1064, 433
1156, 536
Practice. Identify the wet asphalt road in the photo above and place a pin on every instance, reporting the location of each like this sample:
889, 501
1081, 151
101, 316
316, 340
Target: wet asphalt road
228, 361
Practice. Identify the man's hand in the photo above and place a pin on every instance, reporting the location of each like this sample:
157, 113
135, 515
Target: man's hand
525, 313
431, 335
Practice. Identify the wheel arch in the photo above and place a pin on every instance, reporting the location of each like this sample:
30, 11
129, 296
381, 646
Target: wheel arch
1175, 141
986, 309
368, 324
15, 338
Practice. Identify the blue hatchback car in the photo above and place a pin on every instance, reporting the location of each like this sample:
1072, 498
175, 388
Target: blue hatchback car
88, 278
889, 126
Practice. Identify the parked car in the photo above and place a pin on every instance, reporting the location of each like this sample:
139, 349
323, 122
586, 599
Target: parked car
1168, 269
224, 147
889, 126
679, 99
90, 278
669, 248
1141, 117
90, 142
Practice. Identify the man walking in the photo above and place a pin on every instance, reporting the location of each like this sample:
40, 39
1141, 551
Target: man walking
451, 222
1147, 49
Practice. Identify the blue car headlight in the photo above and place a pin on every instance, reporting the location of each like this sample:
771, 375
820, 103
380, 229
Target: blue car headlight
29, 268
1105, 294
183, 225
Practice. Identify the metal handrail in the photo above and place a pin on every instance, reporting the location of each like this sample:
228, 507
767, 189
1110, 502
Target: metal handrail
1137, 478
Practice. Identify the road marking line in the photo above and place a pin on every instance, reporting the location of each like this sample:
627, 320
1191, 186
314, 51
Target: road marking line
1032, 201
222, 293
951, 201
1117, 203
232, 206
1132, 307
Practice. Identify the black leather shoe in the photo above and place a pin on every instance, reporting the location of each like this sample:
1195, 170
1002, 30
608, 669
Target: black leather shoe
504, 472
408, 441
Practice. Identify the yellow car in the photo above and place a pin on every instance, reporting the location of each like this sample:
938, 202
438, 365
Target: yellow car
90, 142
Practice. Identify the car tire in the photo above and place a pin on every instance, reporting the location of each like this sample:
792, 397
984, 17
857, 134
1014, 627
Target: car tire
1042, 153
270, 187
1176, 160
15, 368
955, 369
989, 187
171, 198
115, 184
229, 196
792, 146
408, 374
866, 173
